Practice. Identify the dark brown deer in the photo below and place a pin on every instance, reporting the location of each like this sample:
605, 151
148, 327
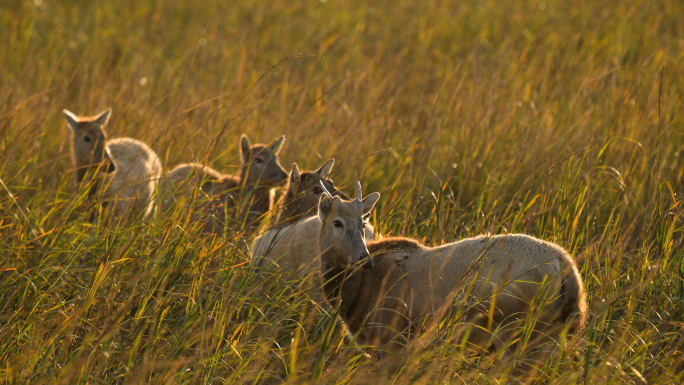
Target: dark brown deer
303, 193
237, 201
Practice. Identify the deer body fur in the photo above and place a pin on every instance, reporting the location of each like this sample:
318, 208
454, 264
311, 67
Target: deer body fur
410, 283
291, 248
133, 184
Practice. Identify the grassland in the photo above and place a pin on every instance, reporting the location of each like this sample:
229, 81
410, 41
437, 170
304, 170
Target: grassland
559, 119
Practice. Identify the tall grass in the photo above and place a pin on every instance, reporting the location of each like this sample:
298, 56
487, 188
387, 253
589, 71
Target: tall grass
558, 119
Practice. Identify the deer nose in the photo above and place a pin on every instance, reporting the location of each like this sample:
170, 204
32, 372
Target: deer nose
369, 261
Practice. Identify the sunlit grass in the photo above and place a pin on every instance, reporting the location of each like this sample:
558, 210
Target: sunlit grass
558, 119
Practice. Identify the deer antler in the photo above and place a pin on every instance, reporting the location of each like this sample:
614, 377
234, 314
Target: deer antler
325, 189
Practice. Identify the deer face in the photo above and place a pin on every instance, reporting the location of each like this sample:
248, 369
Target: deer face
261, 163
90, 142
342, 238
305, 189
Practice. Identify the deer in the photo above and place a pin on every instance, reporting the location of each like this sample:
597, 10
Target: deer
250, 192
303, 192
279, 244
391, 290
123, 172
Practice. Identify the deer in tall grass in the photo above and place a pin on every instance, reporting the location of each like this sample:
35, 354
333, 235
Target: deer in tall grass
244, 198
390, 290
303, 193
123, 172
285, 244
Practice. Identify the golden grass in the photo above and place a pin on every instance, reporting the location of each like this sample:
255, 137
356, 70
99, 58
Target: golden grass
557, 119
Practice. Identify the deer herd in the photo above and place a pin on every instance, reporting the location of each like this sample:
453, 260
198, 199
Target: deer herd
387, 291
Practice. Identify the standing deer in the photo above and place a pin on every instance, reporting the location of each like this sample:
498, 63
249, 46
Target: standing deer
244, 198
387, 291
303, 193
280, 244
123, 171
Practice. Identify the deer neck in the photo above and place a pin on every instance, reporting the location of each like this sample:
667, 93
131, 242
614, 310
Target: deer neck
259, 198
91, 176
349, 289
289, 211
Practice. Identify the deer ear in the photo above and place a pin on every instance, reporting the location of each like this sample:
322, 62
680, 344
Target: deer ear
324, 206
295, 176
369, 202
245, 149
277, 145
72, 119
103, 117
326, 169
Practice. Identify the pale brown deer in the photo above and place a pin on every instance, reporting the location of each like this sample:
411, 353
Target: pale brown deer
122, 172
284, 248
389, 290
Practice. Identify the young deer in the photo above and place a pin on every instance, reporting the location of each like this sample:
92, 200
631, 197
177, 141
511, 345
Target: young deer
124, 171
387, 291
280, 244
303, 193
250, 192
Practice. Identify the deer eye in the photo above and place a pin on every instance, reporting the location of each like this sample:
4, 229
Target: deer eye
317, 190
338, 224
258, 161
87, 139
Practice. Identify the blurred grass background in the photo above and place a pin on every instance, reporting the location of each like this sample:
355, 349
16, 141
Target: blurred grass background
557, 119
